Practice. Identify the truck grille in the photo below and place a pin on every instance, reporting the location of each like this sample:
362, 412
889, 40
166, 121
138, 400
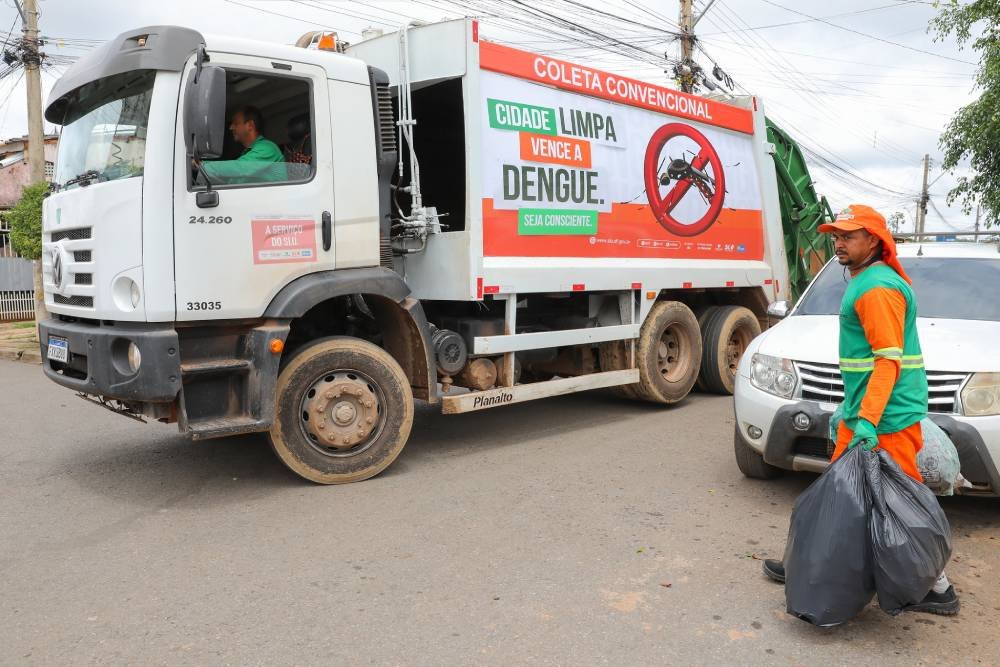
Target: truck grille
823, 383
80, 281
79, 301
72, 234
386, 118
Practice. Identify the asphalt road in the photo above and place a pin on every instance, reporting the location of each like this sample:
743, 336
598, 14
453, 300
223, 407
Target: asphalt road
578, 530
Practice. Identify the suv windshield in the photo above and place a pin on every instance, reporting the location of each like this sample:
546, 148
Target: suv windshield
104, 130
946, 287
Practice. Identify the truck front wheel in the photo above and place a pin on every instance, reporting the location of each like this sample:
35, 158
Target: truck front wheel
668, 353
344, 411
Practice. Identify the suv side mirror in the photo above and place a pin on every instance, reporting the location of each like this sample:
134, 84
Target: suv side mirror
205, 112
779, 309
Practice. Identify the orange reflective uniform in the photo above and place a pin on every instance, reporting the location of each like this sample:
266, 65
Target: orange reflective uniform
902, 446
881, 312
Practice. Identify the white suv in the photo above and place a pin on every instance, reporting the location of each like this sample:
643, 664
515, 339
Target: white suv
788, 383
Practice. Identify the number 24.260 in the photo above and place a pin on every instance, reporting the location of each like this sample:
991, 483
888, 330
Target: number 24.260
210, 220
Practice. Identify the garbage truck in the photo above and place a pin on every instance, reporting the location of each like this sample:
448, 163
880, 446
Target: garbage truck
438, 218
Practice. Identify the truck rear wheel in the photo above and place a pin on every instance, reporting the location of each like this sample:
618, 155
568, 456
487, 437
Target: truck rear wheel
668, 353
344, 411
703, 313
726, 333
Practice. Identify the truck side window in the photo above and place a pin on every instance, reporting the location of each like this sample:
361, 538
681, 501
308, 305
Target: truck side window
270, 139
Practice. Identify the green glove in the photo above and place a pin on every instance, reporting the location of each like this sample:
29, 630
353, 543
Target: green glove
864, 435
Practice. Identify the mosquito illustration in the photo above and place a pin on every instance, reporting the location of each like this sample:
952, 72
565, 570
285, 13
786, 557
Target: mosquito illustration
682, 169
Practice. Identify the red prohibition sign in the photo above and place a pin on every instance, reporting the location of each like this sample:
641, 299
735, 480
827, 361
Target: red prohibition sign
663, 206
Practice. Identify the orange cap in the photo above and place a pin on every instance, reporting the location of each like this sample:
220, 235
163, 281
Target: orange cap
859, 216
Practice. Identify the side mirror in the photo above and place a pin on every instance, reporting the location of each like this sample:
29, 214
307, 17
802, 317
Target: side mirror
205, 112
779, 309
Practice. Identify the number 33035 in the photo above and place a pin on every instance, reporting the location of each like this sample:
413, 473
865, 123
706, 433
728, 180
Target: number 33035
204, 305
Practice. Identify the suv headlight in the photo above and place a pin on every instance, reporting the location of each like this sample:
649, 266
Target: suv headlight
774, 375
981, 395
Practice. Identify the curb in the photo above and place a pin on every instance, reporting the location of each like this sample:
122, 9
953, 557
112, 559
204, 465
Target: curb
28, 356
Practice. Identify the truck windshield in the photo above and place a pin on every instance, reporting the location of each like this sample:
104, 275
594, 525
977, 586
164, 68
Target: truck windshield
955, 288
104, 130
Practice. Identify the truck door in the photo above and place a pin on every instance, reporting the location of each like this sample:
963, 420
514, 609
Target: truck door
273, 221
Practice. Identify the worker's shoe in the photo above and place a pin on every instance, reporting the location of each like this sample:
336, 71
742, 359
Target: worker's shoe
774, 569
942, 604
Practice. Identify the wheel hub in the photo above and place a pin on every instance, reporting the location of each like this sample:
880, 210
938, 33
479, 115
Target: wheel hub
666, 353
341, 412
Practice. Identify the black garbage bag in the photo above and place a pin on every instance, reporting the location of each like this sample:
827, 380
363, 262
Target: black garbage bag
910, 534
829, 573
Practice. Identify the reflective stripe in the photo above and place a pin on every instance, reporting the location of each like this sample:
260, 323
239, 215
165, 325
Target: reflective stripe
857, 365
911, 361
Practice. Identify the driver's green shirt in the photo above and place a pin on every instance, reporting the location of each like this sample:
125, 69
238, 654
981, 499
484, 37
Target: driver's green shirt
262, 162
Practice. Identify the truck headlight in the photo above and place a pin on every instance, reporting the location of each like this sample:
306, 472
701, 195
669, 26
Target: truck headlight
981, 395
774, 375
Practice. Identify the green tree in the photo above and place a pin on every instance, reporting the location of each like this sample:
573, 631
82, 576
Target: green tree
895, 221
973, 134
26, 222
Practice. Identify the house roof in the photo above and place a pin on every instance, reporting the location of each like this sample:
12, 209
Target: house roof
13, 158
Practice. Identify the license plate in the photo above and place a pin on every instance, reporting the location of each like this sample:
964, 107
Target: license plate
58, 349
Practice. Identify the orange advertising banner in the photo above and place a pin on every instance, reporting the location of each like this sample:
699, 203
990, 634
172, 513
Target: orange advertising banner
629, 230
589, 81
555, 150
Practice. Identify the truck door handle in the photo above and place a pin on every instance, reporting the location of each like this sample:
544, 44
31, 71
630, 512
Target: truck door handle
327, 230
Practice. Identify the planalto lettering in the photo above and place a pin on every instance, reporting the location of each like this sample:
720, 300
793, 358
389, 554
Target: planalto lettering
490, 401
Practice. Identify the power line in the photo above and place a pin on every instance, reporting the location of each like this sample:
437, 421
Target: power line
788, 70
284, 16
905, 3
869, 36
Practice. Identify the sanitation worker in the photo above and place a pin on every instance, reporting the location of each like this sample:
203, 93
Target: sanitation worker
885, 385
259, 161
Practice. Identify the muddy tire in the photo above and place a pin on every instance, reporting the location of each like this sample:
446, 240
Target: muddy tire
750, 463
703, 313
726, 333
668, 353
344, 411
613, 356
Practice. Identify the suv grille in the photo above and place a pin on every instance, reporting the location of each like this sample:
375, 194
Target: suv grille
823, 383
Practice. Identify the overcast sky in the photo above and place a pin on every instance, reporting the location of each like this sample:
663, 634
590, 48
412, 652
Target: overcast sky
871, 92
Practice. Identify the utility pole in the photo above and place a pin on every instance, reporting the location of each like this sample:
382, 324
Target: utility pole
33, 78
32, 59
922, 202
687, 46
979, 207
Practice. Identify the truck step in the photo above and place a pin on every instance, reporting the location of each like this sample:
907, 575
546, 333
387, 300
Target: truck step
214, 366
491, 398
225, 426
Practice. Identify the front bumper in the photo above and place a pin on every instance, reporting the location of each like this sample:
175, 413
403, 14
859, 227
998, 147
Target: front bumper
98, 360
784, 445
